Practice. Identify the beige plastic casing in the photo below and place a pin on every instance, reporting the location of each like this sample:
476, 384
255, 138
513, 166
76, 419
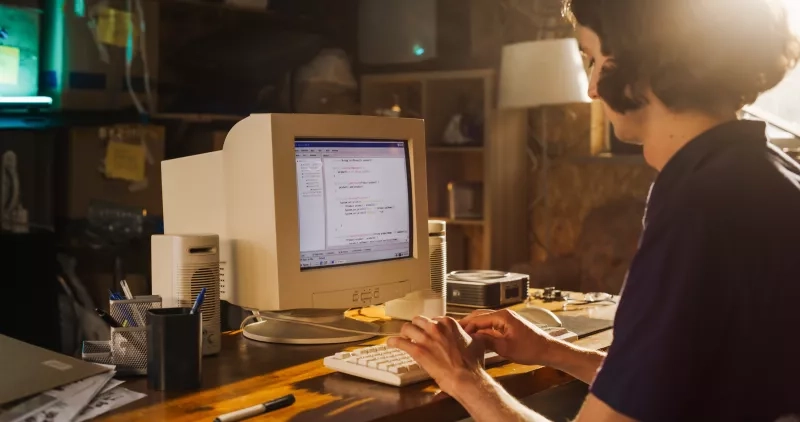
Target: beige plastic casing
247, 194
175, 261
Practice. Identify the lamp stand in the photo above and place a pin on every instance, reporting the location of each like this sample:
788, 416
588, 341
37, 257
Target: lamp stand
540, 173
544, 183
510, 197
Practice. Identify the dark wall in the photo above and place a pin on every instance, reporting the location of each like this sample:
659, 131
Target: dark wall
220, 60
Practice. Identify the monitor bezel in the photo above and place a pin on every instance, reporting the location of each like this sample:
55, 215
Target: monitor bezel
262, 220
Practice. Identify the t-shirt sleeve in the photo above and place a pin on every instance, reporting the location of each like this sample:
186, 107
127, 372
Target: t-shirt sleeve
661, 324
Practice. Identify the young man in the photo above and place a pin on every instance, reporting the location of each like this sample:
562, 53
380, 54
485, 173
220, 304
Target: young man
707, 326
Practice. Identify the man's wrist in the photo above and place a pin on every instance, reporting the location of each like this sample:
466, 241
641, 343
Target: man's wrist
555, 353
466, 384
486, 400
578, 362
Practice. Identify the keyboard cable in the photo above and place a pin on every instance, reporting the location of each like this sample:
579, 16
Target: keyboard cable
260, 316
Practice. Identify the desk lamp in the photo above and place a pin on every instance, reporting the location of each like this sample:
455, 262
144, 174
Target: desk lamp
534, 74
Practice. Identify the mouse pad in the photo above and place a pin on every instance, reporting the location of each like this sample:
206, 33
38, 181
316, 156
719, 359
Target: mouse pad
585, 326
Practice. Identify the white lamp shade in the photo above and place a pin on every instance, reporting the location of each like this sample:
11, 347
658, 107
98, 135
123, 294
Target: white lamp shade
537, 73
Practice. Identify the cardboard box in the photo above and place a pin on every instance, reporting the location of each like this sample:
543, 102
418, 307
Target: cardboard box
84, 50
102, 166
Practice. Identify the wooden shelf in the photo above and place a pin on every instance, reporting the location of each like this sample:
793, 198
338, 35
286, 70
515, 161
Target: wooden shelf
498, 163
197, 117
608, 158
220, 5
20, 119
459, 222
32, 120
455, 149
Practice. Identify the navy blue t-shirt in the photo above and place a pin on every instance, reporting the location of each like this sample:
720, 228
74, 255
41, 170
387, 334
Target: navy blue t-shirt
708, 325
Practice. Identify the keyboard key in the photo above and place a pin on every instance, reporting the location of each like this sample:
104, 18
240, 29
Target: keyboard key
398, 369
342, 355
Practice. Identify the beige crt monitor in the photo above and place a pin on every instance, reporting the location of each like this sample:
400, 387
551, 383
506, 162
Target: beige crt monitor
314, 212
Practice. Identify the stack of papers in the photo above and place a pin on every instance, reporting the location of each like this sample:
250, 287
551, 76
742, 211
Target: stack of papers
76, 402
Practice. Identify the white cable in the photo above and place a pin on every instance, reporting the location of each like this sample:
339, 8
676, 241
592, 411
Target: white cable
265, 316
145, 64
129, 62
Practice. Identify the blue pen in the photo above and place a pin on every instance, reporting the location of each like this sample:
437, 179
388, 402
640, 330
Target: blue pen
199, 300
125, 309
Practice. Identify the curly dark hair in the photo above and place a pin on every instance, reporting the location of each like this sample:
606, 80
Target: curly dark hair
713, 56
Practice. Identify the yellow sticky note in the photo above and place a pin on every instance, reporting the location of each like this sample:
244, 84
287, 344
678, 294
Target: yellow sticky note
113, 25
125, 161
9, 65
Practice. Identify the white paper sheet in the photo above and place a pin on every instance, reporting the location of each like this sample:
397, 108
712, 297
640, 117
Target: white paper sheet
111, 384
108, 401
72, 398
19, 411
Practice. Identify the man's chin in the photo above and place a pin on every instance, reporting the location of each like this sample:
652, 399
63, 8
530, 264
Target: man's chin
624, 137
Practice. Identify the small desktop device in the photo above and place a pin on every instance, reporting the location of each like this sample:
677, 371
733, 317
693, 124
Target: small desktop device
486, 289
316, 214
182, 265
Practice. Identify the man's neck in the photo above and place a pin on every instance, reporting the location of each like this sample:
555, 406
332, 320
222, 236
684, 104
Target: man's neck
668, 134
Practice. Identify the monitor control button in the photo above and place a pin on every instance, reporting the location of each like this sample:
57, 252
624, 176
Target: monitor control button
375, 294
366, 296
355, 297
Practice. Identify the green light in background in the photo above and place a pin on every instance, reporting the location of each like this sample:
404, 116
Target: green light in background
26, 100
55, 50
80, 8
419, 50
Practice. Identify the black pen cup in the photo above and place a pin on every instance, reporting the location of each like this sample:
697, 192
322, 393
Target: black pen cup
174, 349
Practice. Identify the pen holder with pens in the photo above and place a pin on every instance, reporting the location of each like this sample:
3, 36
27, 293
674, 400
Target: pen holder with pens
127, 348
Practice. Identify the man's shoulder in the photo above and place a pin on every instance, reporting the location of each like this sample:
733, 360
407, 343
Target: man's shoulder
743, 180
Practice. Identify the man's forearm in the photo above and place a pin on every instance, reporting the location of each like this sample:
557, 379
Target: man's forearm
578, 362
487, 401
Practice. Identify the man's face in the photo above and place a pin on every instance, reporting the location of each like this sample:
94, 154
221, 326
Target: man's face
628, 127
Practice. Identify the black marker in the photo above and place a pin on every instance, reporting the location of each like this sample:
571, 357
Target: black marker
107, 318
256, 410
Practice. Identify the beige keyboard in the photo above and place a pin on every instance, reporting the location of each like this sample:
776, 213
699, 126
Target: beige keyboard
395, 367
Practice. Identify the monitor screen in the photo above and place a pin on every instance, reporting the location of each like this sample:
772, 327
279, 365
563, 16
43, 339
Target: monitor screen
353, 200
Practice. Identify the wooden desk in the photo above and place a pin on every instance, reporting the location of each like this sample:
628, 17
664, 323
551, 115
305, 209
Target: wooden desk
246, 373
